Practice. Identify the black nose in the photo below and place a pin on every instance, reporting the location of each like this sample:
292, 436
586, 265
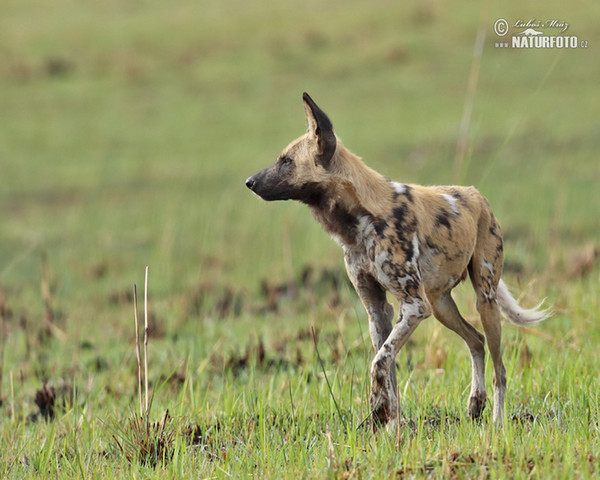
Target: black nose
250, 183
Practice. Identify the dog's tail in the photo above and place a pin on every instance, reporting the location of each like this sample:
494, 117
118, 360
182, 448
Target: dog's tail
523, 317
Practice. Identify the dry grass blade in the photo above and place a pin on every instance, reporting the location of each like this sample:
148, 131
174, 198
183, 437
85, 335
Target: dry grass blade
3, 335
331, 460
137, 349
146, 338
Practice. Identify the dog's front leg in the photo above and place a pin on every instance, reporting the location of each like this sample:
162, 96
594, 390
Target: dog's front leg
381, 315
384, 398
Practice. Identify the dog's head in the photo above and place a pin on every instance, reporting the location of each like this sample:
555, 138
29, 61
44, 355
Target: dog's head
303, 165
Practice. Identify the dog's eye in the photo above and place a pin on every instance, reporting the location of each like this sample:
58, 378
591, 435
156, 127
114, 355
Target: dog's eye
285, 160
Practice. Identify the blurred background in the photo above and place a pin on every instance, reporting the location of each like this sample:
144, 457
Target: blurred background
128, 128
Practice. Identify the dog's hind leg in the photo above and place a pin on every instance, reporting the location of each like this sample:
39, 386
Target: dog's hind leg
446, 311
490, 319
485, 270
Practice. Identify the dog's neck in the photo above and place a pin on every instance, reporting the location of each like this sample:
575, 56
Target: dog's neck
353, 191
360, 185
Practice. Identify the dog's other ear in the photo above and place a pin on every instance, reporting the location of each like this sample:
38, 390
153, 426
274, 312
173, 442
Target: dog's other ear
320, 127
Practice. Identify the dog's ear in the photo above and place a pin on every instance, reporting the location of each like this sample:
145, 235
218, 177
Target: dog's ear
320, 127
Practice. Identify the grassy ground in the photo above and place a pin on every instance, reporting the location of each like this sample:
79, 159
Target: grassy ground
127, 131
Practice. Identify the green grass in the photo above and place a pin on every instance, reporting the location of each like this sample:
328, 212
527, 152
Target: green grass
127, 131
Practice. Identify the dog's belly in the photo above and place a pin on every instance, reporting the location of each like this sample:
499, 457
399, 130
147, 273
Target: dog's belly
441, 270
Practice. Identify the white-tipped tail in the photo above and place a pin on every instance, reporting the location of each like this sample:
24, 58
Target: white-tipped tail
524, 317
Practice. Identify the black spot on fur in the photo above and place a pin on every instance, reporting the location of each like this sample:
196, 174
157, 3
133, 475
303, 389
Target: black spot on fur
407, 248
435, 249
343, 218
443, 219
379, 225
343, 223
499, 251
404, 220
458, 196
381, 373
495, 231
412, 287
400, 215
311, 193
431, 245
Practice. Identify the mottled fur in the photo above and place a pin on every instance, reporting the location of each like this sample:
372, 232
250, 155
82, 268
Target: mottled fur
415, 242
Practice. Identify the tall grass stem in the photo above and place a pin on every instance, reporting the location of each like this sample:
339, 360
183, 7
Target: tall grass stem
146, 339
137, 349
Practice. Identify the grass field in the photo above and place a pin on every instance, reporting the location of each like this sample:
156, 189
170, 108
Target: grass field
127, 130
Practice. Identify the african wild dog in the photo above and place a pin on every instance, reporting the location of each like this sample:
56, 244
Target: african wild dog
415, 242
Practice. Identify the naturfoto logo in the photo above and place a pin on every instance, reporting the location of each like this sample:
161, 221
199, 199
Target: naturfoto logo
533, 34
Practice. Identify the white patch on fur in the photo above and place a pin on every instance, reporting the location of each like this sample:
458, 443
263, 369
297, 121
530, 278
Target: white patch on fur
488, 266
399, 188
357, 256
337, 239
416, 252
365, 238
414, 261
490, 297
410, 310
478, 375
381, 258
452, 202
365, 231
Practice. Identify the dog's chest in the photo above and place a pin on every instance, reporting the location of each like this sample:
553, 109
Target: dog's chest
392, 264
